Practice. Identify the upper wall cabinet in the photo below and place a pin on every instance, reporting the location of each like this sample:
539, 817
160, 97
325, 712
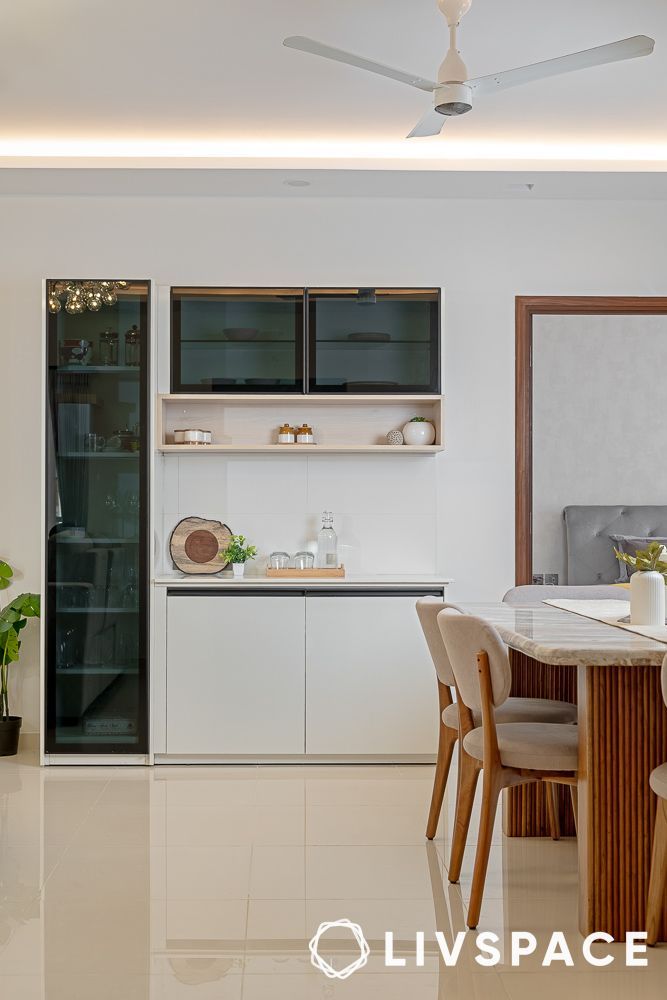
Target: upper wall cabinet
237, 340
295, 340
367, 340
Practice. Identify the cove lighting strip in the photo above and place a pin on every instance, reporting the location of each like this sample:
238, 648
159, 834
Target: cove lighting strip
414, 150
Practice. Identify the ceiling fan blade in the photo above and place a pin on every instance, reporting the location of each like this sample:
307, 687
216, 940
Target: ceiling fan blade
430, 124
628, 48
339, 55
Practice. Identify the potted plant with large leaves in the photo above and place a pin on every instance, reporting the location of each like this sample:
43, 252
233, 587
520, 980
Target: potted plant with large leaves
13, 619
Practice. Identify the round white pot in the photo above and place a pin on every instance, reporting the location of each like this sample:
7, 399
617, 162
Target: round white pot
238, 569
647, 599
418, 432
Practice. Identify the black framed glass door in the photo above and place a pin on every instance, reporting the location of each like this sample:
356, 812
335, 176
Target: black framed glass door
97, 524
374, 340
248, 340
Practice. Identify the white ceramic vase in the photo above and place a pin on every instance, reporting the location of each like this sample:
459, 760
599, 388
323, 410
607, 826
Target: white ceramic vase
647, 598
238, 570
419, 432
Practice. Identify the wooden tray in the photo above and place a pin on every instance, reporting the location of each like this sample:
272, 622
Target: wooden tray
305, 574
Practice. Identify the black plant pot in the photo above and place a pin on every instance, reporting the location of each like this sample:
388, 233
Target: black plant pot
9, 735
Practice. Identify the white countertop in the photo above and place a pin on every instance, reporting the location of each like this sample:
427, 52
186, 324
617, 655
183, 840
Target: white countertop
551, 635
226, 581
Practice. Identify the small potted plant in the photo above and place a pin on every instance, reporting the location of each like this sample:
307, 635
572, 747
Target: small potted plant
238, 553
419, 431
13, 618
647, 584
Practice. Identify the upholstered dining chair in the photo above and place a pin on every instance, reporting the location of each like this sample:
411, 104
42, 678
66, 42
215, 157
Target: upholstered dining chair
657, 889
509, 753
513, 710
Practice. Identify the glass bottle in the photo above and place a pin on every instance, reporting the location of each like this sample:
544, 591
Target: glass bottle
109, 347
132, 347
327, 543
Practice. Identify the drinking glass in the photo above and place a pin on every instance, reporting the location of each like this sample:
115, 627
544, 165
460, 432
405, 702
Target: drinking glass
279, 560
304, 560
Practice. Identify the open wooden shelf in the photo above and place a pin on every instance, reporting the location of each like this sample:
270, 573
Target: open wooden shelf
342, 423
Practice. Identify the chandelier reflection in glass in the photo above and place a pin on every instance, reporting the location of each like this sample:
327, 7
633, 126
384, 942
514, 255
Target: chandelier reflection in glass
81, 295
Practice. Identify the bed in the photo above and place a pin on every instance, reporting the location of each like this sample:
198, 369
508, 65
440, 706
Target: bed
589, 547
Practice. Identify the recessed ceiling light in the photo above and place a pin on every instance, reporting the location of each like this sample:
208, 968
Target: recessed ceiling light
295, 182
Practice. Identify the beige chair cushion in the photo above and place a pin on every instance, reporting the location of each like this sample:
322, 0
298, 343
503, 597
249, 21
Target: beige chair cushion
539, 746
659, 781
520, 710
465, 636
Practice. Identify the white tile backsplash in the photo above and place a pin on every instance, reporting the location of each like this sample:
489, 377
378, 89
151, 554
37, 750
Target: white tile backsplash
381, 485
384, 508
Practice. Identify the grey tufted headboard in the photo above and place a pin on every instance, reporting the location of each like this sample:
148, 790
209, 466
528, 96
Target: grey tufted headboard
590, 551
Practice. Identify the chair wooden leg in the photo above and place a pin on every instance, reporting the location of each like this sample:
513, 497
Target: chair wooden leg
469, 769
552, 809
574, 795
492, 787
448, 738
655, 905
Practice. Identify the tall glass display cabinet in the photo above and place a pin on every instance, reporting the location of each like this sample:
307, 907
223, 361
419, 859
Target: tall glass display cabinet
97, 475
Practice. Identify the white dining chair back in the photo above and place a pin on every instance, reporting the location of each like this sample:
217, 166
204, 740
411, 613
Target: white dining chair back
465, 636
428, 609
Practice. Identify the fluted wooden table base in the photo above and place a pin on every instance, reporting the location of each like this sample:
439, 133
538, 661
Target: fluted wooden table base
623, 736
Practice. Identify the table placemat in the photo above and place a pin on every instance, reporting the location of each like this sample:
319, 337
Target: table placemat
610, 612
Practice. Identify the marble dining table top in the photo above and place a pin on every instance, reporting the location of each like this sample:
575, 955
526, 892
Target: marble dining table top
554, 636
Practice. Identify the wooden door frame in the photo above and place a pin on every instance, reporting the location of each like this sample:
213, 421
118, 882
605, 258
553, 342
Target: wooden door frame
528, 306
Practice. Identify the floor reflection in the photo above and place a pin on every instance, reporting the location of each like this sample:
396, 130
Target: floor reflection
166, 883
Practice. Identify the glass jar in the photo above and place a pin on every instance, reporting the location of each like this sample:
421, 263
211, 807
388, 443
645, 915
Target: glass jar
109, 347
304, 435
132, 347
285, 434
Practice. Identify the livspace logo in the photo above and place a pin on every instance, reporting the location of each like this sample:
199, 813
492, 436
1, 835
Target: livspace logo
522, 944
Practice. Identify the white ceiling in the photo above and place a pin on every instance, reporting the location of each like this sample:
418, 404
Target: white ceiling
88, 78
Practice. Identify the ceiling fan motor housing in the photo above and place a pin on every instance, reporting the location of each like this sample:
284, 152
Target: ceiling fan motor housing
453, 99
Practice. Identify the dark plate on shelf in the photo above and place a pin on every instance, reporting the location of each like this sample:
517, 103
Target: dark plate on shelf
262, 381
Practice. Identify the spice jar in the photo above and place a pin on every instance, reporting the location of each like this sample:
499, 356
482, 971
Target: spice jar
304, 435
285, 434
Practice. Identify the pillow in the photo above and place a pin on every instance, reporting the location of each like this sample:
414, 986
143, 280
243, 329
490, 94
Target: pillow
630, 544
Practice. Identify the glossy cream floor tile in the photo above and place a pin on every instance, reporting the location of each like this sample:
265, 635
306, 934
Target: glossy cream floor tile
367, 873
196, 872
207, 882
278, 872
377, 825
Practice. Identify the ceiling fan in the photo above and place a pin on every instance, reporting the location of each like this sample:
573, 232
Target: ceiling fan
453, 92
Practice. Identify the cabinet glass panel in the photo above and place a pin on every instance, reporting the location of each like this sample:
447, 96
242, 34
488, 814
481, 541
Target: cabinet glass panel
366, 340
237, 340
97, 511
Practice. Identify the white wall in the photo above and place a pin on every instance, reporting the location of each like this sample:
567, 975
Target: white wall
482, 253
599, 428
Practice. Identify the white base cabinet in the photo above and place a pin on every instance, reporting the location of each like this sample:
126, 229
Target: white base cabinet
235, 674
370, 682
284, 674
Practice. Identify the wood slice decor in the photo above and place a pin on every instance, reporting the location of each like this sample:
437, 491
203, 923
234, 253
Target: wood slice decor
195, 545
